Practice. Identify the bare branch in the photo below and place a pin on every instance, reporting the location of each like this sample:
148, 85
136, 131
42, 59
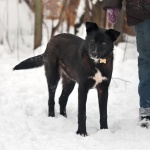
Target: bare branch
60, 18
122, 80
44, 23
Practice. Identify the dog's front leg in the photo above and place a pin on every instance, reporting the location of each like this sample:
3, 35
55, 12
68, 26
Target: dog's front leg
82, 97
103, 98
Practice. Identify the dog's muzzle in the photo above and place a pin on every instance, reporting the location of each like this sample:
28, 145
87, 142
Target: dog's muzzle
94, 54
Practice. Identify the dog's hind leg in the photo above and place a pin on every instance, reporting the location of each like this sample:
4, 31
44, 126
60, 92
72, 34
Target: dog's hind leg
53, 76
68, 86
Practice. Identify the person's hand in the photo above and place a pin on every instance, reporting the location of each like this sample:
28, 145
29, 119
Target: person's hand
112, 14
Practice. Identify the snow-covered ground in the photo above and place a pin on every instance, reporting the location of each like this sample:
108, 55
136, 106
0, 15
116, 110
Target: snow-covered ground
24, 124
23, 110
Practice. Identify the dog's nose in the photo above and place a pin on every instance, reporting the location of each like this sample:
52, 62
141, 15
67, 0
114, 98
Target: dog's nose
94, 54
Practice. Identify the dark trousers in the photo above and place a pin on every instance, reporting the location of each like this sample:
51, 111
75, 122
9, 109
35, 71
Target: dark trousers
143, 46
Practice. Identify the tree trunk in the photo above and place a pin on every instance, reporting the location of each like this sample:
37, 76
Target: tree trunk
87, 16
120, 24
54, 29
98, 14
38, 23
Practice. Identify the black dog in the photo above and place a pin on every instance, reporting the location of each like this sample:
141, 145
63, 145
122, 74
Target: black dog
88, 62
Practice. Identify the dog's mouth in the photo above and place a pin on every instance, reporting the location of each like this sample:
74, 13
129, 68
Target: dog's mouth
99, 60
96, 56
93, 54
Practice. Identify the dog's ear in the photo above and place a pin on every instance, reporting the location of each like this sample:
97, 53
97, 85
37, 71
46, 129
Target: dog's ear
114, 34
91, 26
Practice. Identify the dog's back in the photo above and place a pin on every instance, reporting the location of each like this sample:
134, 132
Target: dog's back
63, 45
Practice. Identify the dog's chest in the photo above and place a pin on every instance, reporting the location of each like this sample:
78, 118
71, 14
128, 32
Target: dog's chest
98, 78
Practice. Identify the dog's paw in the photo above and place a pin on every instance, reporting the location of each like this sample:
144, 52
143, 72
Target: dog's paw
104, 127
82, 133
63, 114
51, 114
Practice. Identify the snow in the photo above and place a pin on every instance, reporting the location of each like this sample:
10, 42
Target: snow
23, 110
12, 18
80, 10
23, 106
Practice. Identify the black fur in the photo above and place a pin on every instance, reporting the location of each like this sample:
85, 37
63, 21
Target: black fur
77, 60
30, 63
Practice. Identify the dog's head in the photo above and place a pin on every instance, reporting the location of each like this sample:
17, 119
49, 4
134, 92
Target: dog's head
100, 41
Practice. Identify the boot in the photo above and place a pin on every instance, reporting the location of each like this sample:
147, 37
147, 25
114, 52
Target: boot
144, 121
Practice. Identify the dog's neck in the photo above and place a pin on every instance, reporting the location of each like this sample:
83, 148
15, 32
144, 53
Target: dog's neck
100, 60
104, 60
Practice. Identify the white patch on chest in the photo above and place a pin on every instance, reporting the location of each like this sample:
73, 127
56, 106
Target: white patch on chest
98, 78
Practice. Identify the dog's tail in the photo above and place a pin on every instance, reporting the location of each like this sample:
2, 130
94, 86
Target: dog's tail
30, 63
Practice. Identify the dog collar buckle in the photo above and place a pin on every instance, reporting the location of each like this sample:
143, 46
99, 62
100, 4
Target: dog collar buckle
102, 61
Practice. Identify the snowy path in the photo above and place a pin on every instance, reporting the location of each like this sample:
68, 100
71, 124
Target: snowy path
24, 124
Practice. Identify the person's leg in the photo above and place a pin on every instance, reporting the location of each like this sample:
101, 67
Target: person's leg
143, 46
